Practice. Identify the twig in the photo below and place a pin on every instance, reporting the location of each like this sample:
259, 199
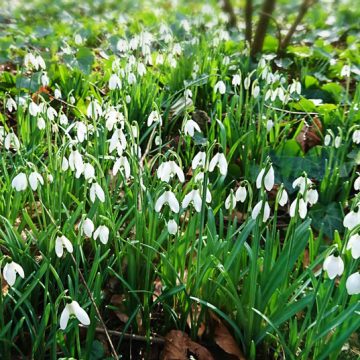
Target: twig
291, 112
113, 351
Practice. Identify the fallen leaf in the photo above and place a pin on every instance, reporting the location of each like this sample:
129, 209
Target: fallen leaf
310, 135
118, 301
224, 339
178, 346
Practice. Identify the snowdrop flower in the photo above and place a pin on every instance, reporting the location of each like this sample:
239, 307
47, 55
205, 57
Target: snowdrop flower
312, 196
230, 202
302, 183
10, 270
327, 139
168, 170
33, 109
154, 117
345, 71
219, 160
268, 179
301, 208
190, 127
62, 242
141, 69
123, 165
19, 183
357, 183
193, 197
57, 93
96, 191
76, 163
122, 45
73, 309
102, 232
114, 82
172, 227
241, 194
11, 104
334, 266
87, 227
131, 78
247, 83
352, 219
283, 197
353, 284
41, 123
63, 119
118, 142
51, 113
188, 93
11, 140
354, 246
255, 90
220, 87
64, 164
94, 110
356, 137
236, 80
337, 142
257, 209
81, 131
269, 125
199, 160
34, 179
169, 198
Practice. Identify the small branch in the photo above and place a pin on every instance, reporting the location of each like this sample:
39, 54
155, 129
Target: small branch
229, 9
248, 21
304, 7
113, 351
291, 112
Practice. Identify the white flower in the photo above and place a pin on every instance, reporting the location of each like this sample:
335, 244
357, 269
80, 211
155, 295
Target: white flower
334, 266
34, 179
268, 180
64, 164
19, 182
351, 220
87, 227
219, 160
103, 233
236, 80
63, 119
199, 160
241, 194
353, 284
327, 139
33, 109
167, 197
312, 196
220, 87
337, 141
73, 309
190, 127
283, 197
345, 71
94, 110
247, 83
257, 209
76, 163
62, 242
117, 141
154, 117
357, 184
11, 104
89, 172
172, 227
193, 197
269, 125
51, 113
12, 140
301, 183
114, 82
230, 202
356, 137
57, 93
10, 271
302, 208
123, 165
41, 124
354, 246
168, 170
81, 131
96, 191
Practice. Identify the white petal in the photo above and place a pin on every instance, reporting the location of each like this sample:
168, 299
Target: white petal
173, 203
59, 250
172, 227
241, 194
64, 318
256, 210
269, 179
9, 274
353, 284
80, 313
259, 178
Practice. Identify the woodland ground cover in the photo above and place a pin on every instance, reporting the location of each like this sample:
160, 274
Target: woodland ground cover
165, 192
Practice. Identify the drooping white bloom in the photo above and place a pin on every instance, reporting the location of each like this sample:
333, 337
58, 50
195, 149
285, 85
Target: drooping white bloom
334, 266
57, 93
87, 227
345, 71
96, 191
219, 160
81, 131
123, 165
220, 87
19, 182
247, 83
172, 227
64, 164
89, 172
199, 160
268, 180
353, 284
41, 124
312, 196
114, 117
11, 140
302, 208
33, 109
154, 117
230, 202
302, 183
357, 184
62, 242
73, 309
114, 82
269, 125
168, 170
337, 142
76, 163
103, 233
51, 113
356, 137
283, 197
190, 127
118, 142
327, 139
34, 179
236, 80
193, 197
352, 219
167, 197
11, 104
63, 119
241, 194
257, 209
94, 110
10, 270
354, 246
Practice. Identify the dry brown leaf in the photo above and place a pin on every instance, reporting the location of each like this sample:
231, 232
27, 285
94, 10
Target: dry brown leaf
225, 340
178, 345
157, 288
310, 135
118, 301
